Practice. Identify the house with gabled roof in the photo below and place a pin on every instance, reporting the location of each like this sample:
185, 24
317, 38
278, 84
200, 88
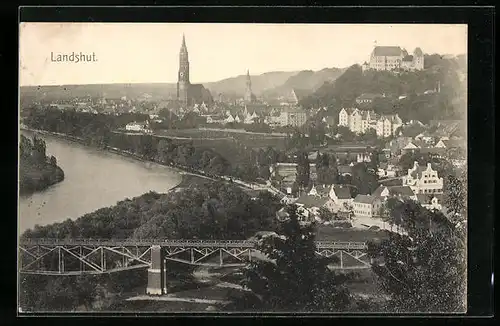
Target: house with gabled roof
400, 192
423, 180
359, 121
366, 206
433, 201
341, 195
310, 205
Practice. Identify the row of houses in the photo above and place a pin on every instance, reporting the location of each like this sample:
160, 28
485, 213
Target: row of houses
359, 121
283, 116
421, 184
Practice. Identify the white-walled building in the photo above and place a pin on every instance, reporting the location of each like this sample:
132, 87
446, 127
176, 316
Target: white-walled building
341, 196
394, 57
366, 206
423, 180
138, 126
431, 201
292, 117
359, 121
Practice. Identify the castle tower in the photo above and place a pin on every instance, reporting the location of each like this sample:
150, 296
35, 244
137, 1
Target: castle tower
183, 77
248, 90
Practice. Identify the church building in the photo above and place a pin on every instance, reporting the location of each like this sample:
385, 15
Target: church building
189, 94
249, 96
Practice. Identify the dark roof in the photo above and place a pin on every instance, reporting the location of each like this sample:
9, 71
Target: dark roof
311, 201
418, 172
387, 51
344, 169
453, 143
342, 192
378, 191
365, 199
426, 199
408, 58
198, 93
432, 150
401, 190
349, 110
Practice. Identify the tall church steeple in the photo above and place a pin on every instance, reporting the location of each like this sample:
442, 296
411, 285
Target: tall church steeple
183, 77
248, 90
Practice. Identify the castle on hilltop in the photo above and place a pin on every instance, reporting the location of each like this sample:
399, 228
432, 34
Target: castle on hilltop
189, 94
394, 58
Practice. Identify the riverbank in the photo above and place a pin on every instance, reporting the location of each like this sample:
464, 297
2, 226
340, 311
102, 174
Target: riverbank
37, 171
189, 177
38, 177
187, 180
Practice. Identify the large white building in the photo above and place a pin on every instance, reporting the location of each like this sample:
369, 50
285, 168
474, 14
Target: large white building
295, 117
393, 58
423, 180
359, 121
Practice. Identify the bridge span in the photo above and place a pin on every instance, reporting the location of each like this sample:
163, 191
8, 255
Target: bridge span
89, 256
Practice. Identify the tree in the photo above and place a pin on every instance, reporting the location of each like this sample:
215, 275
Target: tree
364, 180
325, 214
53, 161
424, 270
303, 169
349, 210
455, 198
292, 277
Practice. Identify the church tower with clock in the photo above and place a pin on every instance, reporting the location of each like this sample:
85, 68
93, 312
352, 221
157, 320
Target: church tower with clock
183, 77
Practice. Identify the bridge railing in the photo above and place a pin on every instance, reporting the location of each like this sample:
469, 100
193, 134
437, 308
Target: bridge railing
179, 243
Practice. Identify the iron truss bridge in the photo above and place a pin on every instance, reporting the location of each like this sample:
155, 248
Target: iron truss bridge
88, 256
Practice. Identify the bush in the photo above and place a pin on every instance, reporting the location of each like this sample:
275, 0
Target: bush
342, 224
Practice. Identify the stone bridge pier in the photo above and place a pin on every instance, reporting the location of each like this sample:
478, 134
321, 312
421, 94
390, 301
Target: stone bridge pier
157, 276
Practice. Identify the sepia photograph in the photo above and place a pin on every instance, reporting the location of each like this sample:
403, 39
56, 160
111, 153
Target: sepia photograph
242, 167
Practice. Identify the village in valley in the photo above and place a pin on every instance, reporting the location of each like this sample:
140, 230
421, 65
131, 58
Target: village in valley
400, 155
366, 153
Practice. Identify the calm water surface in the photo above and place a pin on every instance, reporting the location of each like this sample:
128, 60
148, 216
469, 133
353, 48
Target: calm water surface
93, 179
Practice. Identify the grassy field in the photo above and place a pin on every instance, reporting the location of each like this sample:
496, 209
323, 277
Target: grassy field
217, 138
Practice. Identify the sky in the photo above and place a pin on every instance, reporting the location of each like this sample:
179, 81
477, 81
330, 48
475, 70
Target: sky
149, 52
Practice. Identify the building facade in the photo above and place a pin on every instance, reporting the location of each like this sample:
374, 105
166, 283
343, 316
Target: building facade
423, 180
294, 117
359, 121
189, 94
394, 58
249, 96
366, 206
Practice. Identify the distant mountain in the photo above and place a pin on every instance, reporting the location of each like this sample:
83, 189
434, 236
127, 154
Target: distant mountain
307, 81
235, 86
269, 85
155, 91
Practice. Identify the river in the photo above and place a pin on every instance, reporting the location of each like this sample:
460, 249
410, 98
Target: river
93, 179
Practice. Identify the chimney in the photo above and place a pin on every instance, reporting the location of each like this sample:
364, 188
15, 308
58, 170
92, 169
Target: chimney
429, 166
415, 164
